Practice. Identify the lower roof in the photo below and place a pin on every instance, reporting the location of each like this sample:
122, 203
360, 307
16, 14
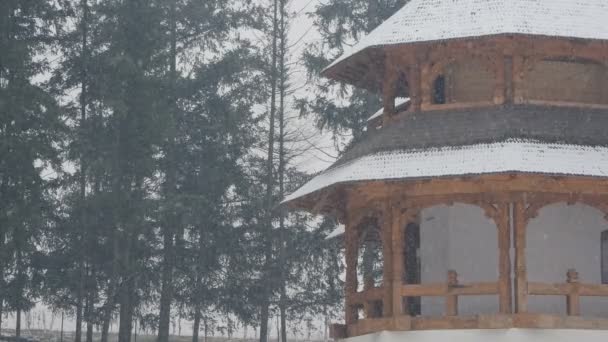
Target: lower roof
513, 138
511, 155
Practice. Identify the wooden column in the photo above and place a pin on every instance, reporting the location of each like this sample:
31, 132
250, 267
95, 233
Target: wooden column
389, 87
503, 223
508, 72
397, 230
519, 65
414, 80
451, 301
351, 251
573, 299
500, 90
387, 259
521, 275
426, 85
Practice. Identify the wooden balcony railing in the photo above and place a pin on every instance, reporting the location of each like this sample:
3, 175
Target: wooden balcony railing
573, 290
450, 290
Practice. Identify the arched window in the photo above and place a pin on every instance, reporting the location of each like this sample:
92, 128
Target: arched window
370, 262
439, 90
468, 80
413, 264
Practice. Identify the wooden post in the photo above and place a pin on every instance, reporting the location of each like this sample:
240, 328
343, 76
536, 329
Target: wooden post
503, 223
519, 65
387, 258
451, 301
500, 89
605, 257
397, 260
415, 81
426, 85
521, 276
351, 247
508, 72
573, 298
389, 85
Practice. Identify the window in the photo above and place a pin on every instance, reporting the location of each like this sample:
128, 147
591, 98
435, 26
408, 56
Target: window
567, 80
439, 90
412, 265
370, 261
605, 257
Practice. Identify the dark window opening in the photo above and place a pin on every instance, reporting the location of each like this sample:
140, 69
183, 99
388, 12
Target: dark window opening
439, 90
605, 257
370, 259
376, 309
413, 269
360, 310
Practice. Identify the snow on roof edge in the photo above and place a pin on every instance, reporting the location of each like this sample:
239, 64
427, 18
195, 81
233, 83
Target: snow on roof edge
511, 155
399, 101
434, 20
340, 230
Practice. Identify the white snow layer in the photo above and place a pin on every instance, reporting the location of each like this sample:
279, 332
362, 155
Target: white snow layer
339, 231
430, 20
399, 102
500, 157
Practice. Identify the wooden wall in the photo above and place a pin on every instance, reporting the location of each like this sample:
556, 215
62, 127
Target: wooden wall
568, 82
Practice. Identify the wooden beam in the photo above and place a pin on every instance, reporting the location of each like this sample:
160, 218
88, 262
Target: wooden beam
373, 294
426, 290
451, 300
573, 301
443, 289
503, 223
338, 331
351, 251
498, 321
397, 231
388, 277
521, 275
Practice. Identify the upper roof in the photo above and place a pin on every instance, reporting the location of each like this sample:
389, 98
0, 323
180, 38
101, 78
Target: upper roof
432, 20
425, 130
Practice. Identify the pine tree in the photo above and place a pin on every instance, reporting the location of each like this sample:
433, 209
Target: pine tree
341, 23
31, 131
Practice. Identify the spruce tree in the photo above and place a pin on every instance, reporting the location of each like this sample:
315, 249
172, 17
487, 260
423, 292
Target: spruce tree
341, 23
31, 131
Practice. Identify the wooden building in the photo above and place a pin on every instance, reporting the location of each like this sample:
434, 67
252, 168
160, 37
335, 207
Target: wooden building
493, 140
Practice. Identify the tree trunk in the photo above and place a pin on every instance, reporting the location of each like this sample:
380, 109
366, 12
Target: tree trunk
126, 296
167, 285
90, 310
206, 323
18, 323
1, 276
109, 305
166, 297
266, 288
197, 325
83, 115
79, 295
282, 236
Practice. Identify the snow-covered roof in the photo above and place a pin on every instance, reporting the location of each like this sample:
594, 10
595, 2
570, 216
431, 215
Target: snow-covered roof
431, 20
399, 102
339, 231
508, 156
